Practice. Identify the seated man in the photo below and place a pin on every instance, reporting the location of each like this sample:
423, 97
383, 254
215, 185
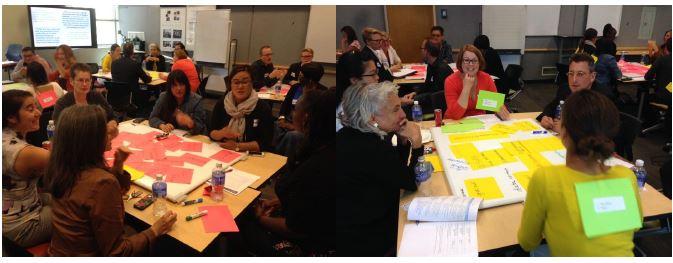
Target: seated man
437, 39
581, 76
127, 70
27, 56
263, 73
373, 39
434, 81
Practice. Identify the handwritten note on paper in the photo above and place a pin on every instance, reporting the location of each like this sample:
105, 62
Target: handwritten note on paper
525, 126
439, 239
434, 160
462, 151
502, 128
476, 136
523, 178
443, 208
485, 188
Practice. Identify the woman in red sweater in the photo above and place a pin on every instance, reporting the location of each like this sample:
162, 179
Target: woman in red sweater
187, 66
462, 87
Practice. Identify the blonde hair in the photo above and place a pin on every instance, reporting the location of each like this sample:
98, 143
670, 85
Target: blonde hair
308, 49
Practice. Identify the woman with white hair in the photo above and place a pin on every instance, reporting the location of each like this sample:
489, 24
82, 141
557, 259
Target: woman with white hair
371, 170
155, 61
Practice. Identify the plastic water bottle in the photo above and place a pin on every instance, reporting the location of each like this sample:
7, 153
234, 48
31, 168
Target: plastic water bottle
416, 112
51, 127
641, 173
277, 88
559, 110
621, 58
159, 191
217, 181
423, 171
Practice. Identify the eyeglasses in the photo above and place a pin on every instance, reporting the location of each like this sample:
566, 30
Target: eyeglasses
83, 80
436, 35
580, 74
470, 61
244, 82
376, 40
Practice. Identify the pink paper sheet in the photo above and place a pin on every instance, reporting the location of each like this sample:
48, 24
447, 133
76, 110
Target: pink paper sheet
225, 156
218, 219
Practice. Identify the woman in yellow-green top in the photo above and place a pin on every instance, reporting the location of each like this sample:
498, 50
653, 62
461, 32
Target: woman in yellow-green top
114, 54
589, 120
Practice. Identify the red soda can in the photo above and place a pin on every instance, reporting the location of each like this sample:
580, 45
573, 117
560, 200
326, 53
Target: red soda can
438, 118
46, 145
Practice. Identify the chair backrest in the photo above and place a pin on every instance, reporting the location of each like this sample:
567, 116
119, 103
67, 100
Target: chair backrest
14, 52
94, 67
629, 128
118, 93
561, 73
439, 101
512, 76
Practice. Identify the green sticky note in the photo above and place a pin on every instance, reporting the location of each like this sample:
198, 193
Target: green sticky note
461, 127
490, 101
471, 120
607, 206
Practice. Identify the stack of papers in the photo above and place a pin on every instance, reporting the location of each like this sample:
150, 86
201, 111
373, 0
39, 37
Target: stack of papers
403, 73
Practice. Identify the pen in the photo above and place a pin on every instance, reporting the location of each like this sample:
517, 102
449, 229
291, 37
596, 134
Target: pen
196, 215
191, 202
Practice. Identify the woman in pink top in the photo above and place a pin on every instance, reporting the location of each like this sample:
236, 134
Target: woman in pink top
187, 66
462, 87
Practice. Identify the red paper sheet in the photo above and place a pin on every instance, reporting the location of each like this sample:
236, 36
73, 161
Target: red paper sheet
179, 175
191, 146
218, 219
419, 68
225, 156
195, 159
47, 99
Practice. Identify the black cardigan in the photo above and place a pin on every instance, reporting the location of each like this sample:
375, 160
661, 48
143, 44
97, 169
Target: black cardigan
370, 174
262, 133
563, 92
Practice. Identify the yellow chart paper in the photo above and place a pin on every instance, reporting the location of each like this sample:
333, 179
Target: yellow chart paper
485, 188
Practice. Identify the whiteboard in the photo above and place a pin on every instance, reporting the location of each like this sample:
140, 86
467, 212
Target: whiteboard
212, 35
504, 26
542, 20
320, 34
599, 15
191, 23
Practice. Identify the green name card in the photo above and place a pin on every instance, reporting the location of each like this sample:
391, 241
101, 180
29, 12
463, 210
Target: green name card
490, 101
607, 207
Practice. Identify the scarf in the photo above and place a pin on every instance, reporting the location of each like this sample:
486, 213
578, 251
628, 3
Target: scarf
238, 112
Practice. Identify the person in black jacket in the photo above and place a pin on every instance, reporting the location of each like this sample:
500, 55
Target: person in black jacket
292, 75
371, 170
434, 82
286, 135
660, 71
437, 39
300, 221
263, 73
493, 62
373, 39
155, 61
581, 76
127, 70
241, 121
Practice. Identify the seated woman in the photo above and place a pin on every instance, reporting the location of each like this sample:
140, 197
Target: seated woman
155, 61
83, 95
551, 208
292, 75
64, 58
461, 88
88, 209
588, 42
371, 170
26, 215
241, 121
187, 66
178, 107
349, 41
294, 224
287, 136
39, 84
114, 54
388, 56
607, 71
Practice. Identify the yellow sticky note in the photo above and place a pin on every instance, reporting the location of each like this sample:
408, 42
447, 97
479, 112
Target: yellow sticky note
476, 136
552, 143
533, 145
523, 178
502, 128
135, 174
534, 161
485, 188
525, 126
464, 150
668, 87
153, 74
480, 161
515, 148
434, 160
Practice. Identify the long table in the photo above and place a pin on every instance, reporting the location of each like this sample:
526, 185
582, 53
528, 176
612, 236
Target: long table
156, 80
191, 233
497, 227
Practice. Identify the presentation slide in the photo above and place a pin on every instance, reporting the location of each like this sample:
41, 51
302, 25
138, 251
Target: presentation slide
52, 26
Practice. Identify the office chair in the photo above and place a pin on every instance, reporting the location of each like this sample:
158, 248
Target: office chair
629, 129
119, 96
13, 52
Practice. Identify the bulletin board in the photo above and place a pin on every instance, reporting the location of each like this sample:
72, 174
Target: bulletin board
172, 21
497, 161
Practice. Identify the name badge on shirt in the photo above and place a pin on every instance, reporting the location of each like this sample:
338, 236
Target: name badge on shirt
255, 123
292, 74
266, 75
294, 102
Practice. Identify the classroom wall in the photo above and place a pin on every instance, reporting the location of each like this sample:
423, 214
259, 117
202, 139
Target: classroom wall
359, 17
630, 24
139, 18
469, 19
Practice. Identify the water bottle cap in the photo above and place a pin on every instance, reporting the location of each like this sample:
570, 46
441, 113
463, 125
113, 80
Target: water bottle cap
561, 102
160, 176
51, 122
218, 165
421, 158
640, 163
415, 102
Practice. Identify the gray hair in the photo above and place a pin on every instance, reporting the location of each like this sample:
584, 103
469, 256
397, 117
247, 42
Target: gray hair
154, 45
361, 101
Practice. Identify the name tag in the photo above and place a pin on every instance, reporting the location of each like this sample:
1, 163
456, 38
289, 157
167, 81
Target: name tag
266, 75
490, 103
292, 74
609, 204
294, 101
47, 99
255, 123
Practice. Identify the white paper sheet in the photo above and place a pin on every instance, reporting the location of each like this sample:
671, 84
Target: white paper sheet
439, 239
403, 72
443, 208
236, 181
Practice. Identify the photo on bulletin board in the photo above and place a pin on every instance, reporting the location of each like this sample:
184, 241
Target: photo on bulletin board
175, 43
177, 33
172, 26
167, 33
167, 44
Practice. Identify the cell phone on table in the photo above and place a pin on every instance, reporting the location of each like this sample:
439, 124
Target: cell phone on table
254, 153
144, 202
138, 120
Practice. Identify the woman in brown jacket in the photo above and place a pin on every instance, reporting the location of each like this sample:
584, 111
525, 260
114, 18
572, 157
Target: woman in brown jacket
87, 208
